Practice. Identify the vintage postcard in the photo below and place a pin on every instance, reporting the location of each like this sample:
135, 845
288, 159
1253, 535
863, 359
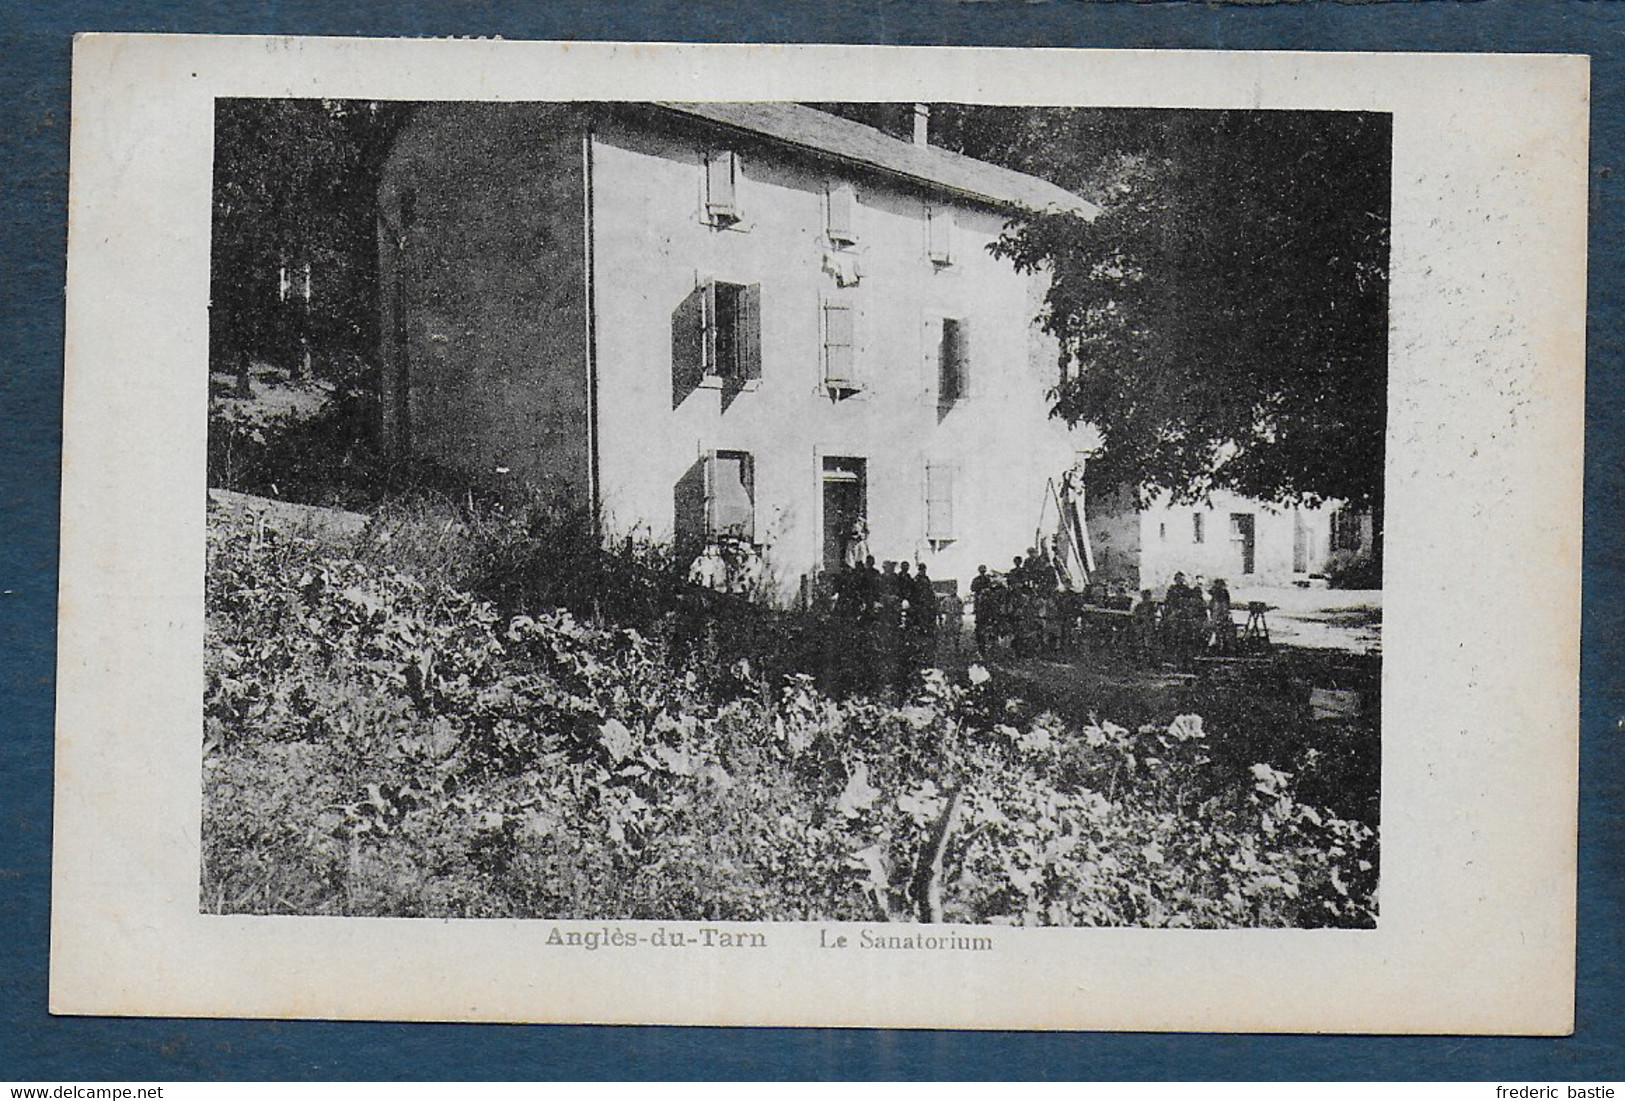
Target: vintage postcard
794, 535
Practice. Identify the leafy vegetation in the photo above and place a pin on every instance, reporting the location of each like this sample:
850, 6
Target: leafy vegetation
379, 741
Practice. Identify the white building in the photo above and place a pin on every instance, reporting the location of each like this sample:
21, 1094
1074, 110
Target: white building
754, 319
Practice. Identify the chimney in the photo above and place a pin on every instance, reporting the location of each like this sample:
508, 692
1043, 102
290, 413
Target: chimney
922, 123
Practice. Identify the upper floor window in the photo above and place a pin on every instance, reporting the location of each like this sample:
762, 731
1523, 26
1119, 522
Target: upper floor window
722, 188
953, 361
939, 503
840, 205
733, 344
939, 233
717, 337
840, 349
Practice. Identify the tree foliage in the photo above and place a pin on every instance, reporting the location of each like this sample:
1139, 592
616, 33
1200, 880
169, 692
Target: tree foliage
1223, 322
294, 184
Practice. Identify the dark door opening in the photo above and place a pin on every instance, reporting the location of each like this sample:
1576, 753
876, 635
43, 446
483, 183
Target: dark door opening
846, 532
1242, 536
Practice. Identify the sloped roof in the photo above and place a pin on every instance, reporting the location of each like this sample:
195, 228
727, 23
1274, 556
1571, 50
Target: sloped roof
928, 165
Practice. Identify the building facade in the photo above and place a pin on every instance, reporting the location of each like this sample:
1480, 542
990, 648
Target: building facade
757, 321
1245, 541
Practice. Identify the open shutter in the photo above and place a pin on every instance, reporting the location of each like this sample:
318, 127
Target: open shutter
839, 353
744, 519
949, 380
750, 333
688, 354
939, 502
721, 188
712, 520
959, 360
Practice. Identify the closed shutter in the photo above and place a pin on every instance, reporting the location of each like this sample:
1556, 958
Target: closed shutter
721, 187
940, 234
750, 332
839, 364
708, 329
840, 209
939, 502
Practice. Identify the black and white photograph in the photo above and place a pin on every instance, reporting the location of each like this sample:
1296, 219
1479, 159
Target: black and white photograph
774, 511
820, 536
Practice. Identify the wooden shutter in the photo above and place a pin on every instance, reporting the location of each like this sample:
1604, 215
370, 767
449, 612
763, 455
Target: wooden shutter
708, 329
960, 357
939, 502
939, 222
840, 208
839, 353
688, 342
721, 187
710, 486
951, 361
749, 336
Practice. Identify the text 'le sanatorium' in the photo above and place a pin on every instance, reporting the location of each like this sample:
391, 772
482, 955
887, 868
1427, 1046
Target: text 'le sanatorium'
608, 936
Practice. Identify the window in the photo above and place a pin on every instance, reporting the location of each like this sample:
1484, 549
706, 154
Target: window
717, 337
733, 332
953, 361
722, 188
939, 232
1346, 533
839, 206
1198, 527
730, 494
840, 353
939, 502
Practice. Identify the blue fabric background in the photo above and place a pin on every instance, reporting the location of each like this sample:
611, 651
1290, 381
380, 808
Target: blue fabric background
34, 47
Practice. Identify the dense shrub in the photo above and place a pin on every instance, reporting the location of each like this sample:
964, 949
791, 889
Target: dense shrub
1353, 570
378, 741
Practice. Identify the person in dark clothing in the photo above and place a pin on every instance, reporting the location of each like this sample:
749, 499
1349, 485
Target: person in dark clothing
1145, 625
981, 595
865, 641
1224, 626
1182, 608
891, 600
923, 604
868, 588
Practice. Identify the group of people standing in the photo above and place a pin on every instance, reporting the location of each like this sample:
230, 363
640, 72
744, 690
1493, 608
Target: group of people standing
727, 565
1022, 606
1190, 619
887, 620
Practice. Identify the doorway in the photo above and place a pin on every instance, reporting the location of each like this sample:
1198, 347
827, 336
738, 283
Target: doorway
1243, 538
845, 510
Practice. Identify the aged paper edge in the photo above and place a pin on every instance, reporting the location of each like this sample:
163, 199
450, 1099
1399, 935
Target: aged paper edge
1484, 495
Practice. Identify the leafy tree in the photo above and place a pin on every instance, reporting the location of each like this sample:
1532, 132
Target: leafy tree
1223, 323
294, 184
